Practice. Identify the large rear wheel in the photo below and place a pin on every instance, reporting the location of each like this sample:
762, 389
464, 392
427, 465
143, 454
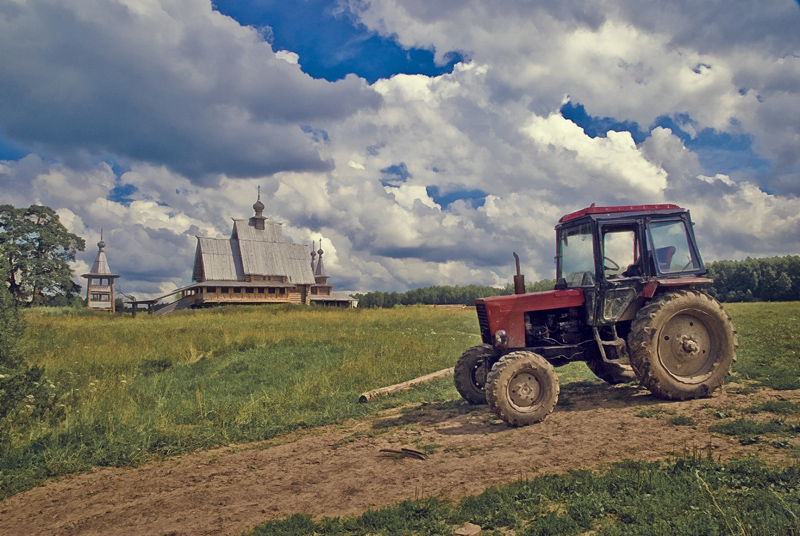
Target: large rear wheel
522, 388
682, 345
470, 374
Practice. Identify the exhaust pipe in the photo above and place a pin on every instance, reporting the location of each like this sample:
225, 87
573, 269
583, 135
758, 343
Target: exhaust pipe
519, 279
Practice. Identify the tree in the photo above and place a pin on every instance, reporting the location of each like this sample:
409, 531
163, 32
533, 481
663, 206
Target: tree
38, 249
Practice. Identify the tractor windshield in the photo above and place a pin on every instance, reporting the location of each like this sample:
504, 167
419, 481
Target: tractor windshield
576, 256
672, 247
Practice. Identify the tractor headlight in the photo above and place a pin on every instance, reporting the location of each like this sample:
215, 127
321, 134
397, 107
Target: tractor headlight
500, 339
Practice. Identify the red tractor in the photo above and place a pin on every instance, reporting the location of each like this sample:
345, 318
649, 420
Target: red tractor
626, 301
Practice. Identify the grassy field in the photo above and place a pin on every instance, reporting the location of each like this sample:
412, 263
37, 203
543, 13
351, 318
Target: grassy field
132, 389
129, 390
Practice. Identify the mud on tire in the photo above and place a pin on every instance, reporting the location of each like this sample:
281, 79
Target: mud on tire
470, 374
522, 388
682, 345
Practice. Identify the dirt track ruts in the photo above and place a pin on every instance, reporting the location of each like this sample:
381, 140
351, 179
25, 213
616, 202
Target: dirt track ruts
339, 471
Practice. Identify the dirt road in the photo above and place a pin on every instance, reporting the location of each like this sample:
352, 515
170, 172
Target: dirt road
340, 471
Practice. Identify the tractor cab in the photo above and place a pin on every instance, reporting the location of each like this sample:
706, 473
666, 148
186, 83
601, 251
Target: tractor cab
620, 255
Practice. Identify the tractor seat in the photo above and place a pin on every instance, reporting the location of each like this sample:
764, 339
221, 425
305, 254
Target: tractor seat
664, 257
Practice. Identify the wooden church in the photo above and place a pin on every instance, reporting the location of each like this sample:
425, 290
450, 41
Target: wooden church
254, 266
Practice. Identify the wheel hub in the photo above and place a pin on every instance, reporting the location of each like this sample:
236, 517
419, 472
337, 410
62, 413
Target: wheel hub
689, 345
479, 374
686, 347
523, 390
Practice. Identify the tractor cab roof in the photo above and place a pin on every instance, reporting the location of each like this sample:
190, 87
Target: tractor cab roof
628, 210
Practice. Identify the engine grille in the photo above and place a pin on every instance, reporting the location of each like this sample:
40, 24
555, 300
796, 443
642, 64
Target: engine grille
483, 322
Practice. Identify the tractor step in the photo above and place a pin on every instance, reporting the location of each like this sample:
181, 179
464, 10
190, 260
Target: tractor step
613, 351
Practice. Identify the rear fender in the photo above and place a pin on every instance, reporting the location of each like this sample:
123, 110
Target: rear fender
653, 285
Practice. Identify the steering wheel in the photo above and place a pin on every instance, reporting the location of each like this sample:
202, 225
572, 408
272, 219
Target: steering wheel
613, 268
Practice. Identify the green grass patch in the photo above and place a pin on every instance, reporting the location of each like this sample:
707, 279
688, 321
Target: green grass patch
134, 389
778, 407
769, 343
691, 496
741, 427
750, 432
649, 413
682, 420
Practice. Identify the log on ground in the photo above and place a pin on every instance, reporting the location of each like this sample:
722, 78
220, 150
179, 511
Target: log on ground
383, 391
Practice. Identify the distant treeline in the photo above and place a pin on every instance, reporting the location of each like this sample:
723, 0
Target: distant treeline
442, 295
773, 279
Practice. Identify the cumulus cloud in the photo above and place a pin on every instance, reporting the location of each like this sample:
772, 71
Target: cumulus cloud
733, 68
168, 82
414, 180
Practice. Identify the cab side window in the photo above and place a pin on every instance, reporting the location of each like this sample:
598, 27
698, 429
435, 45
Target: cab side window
620, 253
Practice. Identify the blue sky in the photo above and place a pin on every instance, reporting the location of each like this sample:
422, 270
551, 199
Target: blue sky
331, 43
422, 141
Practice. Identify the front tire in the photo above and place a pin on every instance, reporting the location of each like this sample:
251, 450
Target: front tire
682, 345
470, 374
522, 388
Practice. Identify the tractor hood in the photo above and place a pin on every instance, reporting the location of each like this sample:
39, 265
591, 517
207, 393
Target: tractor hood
508, 312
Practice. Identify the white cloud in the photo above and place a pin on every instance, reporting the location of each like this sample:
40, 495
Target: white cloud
614, 160
287, 56
200, 111
166, 82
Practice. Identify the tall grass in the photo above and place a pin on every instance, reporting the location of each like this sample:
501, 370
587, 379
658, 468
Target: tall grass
132, 388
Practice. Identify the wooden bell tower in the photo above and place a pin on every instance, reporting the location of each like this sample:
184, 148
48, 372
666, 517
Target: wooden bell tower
100, 282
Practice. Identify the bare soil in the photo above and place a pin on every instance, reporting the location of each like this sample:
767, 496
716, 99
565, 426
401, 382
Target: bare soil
341, 471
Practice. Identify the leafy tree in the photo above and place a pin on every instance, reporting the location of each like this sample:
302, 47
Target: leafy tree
434, 295
771, 279
37, 248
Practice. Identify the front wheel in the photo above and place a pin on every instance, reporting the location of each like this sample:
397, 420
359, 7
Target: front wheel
682, 345
470, 374
522, 388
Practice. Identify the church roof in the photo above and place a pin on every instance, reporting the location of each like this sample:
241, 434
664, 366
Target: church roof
100, 266
319, 270
218, 258
246, 230
255, 248
334, 296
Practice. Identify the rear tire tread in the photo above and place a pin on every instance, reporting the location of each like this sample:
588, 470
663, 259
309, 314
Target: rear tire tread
644, 348
464, 374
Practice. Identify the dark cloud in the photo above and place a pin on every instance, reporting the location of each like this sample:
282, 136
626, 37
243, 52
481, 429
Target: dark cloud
719, 26
191, 90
